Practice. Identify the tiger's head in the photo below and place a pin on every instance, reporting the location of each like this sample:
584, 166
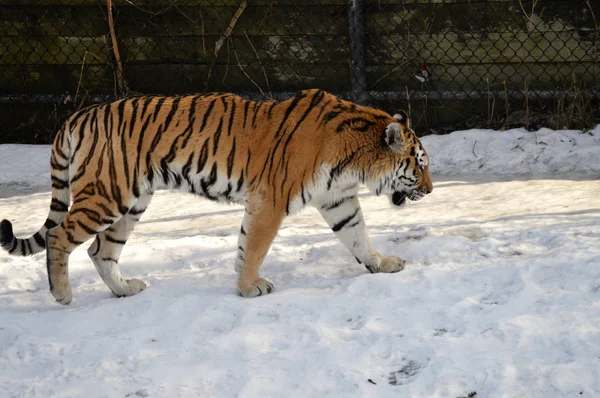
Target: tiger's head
409, 176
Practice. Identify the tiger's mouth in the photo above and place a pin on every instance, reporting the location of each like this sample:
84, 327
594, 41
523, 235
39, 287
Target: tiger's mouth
399, 198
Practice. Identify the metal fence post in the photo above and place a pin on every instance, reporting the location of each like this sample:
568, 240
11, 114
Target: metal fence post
356, 44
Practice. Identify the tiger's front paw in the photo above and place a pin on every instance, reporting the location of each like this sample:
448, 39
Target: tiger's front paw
388, 265
260, 287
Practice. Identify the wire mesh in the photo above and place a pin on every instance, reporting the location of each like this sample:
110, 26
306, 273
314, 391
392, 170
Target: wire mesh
370, 51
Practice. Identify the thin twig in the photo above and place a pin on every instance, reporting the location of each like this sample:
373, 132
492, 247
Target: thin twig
473, 150
81, 71
202, 22
225, 36
403, 64
151, 12
261, 64
231, 26
595, 26
247, 75
120, 76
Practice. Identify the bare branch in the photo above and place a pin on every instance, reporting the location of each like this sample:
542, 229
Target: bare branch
120, 76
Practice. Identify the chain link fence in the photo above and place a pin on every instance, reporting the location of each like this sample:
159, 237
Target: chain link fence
501, 57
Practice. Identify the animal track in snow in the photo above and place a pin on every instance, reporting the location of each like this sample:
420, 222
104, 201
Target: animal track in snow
407, 373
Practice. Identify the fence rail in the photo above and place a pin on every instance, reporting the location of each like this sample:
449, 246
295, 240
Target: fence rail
422, 54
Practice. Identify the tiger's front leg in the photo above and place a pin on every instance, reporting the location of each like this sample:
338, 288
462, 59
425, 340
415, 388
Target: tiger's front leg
345, 218
259, 228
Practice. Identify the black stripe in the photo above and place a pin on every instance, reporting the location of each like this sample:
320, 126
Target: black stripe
256, 108
156, 111
58, 183
120, 113
125, 160
230, 159
246, 106
242, 231
212, 178
187, 167
174, 107
155, 141
231, 117
224, 103
70, 239
145, 106
29, 250
367, 124
91, 214
354, 224
25, 247
322, 109
191, 120
39, 240
330, 116
106, 210
135, 212
80, 141
240, 183
217, 136
49, 224
343, 222
57, 205
207, 114
134, 105
75, 117
203, 158
87, 229
57, 166
331, 206
271, 109
337, 170
288, 111
113, 240
313, 103
107, 113
97, 249
14, 246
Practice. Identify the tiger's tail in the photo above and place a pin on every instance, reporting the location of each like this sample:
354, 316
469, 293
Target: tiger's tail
59, 170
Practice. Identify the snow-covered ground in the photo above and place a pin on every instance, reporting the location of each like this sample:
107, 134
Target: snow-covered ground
501, 298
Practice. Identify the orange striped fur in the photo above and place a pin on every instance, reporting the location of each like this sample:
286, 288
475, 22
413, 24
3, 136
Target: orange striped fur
272, 157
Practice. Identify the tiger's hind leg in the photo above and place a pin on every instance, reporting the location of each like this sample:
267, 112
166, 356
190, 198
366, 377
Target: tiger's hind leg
107, 247
87, 217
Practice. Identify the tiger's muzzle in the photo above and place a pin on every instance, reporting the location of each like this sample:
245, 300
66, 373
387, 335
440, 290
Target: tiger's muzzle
398, 198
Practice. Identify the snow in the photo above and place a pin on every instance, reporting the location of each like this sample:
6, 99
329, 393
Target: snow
501, 296
544, 153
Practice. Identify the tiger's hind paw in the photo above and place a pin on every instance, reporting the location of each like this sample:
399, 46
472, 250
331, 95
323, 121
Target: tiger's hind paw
260, 287
62, 295
388, 265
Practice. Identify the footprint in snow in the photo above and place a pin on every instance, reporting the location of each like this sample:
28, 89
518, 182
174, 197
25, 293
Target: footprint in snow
407, 373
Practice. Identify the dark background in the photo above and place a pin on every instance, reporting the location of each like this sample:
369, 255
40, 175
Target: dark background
491, 63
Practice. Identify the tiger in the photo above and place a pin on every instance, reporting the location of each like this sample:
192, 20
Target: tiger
273, 157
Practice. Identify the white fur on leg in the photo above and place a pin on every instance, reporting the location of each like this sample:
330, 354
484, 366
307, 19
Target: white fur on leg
345, 218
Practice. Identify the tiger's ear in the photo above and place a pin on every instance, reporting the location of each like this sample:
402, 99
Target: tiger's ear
403, 119
393, 137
